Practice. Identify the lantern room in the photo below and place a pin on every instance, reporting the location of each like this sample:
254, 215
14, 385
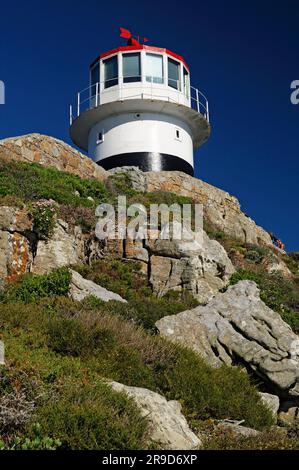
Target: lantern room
135, 71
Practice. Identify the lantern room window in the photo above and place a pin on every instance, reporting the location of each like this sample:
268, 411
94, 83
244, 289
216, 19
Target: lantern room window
131, 67
110, 71
154, 68
174, 74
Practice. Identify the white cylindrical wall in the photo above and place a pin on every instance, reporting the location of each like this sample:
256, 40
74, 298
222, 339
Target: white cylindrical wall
141, 132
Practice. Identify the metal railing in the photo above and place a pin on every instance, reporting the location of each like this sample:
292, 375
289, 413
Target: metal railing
145, 88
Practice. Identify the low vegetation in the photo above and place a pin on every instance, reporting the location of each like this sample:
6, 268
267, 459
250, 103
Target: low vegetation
32, 182
124, 278
58, 352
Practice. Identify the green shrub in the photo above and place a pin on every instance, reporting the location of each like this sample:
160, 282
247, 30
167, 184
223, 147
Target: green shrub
35, 442
223, 393
30, 182
148, 310
121, 277
70, 337
43, 220
268, 440
32, 288
125, 279
254, 253
93, 417
292, 261
120, 184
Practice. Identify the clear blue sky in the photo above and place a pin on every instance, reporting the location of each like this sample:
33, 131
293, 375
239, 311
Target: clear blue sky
243, 55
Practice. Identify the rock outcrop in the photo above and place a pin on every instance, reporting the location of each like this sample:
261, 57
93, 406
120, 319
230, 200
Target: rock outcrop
222, 209
81, 288
237, 327
167, 425
200, 266
50, 152
15, 250
64, 248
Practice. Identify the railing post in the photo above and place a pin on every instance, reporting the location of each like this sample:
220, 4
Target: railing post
197, 100
97, 94
78, 104
151, 87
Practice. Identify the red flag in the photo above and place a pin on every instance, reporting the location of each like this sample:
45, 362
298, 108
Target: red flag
134, 42
125, 33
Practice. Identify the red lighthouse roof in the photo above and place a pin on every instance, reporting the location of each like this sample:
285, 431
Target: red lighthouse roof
134, 45
142, 47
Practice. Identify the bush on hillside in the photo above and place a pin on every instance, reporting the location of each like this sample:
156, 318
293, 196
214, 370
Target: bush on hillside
125, 279
31, 182
32, 288
272, 439
92, 417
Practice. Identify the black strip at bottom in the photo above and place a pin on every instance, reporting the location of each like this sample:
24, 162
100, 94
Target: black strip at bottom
147, 161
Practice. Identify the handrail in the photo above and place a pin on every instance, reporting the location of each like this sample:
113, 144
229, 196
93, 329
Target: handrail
90, 97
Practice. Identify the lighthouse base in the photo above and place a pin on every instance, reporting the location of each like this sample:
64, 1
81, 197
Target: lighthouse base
147, 161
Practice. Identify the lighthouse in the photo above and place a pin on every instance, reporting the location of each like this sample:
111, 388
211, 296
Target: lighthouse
140, 110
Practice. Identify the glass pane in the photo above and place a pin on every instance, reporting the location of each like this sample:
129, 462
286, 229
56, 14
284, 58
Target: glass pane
94, 78
186, 83
131, 67
111, 71
173, 74
154, 68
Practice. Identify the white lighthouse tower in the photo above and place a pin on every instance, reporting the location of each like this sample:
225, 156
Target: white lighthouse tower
140, 110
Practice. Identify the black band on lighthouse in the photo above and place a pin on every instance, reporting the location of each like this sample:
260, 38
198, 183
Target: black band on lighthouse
147, 161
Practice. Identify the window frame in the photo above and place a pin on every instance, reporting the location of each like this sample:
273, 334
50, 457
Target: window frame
133, 78
114, 81
100, 137
161, 56
179, 81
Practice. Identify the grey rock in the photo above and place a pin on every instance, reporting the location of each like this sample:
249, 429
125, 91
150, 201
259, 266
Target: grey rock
237, 324
64, 248
195, 263
167, 425
238, 430
81, 288
271, 402
136, 176
289, 413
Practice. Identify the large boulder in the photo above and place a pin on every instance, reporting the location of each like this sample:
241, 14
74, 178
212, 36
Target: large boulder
167, 425
236, 326
81, 288
64, 248
198, 264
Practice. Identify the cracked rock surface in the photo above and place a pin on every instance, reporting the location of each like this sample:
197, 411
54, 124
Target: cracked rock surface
236, 326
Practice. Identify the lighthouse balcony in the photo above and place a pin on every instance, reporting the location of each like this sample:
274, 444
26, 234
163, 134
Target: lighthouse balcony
139, 87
